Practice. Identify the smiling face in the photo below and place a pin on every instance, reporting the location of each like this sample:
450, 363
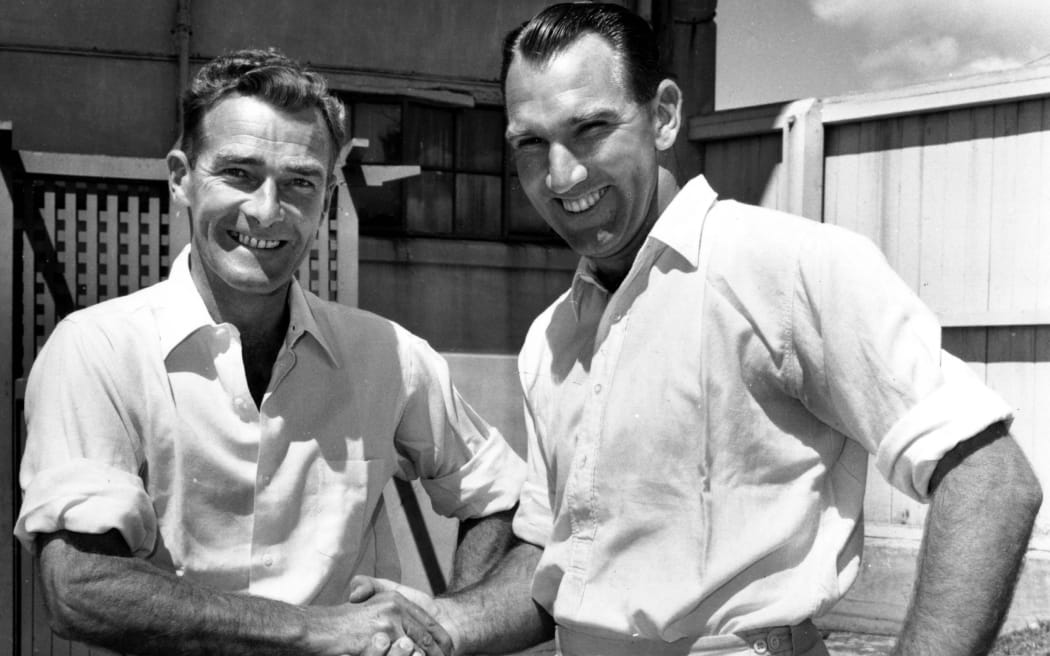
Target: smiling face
586, 152
256, 195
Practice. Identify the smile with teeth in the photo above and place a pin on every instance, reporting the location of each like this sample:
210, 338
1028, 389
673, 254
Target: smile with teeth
252, 242
583, 203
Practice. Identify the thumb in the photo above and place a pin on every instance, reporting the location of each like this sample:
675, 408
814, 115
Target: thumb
361, 588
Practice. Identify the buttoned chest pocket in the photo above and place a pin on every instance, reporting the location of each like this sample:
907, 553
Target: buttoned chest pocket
341, 499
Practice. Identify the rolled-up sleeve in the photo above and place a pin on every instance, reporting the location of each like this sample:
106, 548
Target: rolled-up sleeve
80, 470
872, 365
465, 465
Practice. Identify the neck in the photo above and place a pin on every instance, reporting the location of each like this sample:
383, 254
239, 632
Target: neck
260, 318
612, 272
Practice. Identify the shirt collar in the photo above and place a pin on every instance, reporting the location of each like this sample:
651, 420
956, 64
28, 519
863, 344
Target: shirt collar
183, 312
304, 320
679, 228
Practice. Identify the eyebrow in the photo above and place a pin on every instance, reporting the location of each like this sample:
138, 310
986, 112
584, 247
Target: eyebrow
298, 167
600, 114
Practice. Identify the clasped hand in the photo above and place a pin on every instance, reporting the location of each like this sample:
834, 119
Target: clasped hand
406, 622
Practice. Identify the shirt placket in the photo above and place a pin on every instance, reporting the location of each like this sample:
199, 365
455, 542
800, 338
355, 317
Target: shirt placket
583, 502
268, 531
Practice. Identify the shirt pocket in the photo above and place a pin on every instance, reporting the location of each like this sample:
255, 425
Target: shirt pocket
342, 498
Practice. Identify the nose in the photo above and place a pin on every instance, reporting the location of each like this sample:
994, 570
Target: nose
564, 171
264, 204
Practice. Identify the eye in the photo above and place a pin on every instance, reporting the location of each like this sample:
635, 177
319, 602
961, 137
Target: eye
591, 128
234, 172
525, 142
305, 184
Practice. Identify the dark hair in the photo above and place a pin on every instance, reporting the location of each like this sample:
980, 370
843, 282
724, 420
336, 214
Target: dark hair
557, 27
266, 74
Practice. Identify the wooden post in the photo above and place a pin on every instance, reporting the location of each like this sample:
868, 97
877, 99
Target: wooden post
9, 455
687, 34
803, 161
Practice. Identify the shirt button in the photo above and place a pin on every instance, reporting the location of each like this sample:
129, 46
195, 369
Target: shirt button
774, 642
760, 646
598, 388
268, 561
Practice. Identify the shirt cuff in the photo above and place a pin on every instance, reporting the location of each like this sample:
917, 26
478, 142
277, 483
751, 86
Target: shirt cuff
85, 496
488, 483
955, 412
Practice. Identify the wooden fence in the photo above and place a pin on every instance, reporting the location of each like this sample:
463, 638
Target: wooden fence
952, 181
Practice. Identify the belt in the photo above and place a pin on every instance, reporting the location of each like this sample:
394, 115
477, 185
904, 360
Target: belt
802, 639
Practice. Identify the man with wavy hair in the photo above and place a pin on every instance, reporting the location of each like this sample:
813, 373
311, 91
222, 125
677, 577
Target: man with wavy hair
206, 457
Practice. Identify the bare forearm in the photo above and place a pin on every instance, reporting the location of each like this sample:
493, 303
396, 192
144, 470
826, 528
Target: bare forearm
126, 604
979, 522
497, 614
481, 545
98, 593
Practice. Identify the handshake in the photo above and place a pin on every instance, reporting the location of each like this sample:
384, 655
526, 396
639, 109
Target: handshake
403, 621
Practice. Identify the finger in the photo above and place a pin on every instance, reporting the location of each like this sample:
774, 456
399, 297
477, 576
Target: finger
425, 631
378, 646
403, 647
361, 588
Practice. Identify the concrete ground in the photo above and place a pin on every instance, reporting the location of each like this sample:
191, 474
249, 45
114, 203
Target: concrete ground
840, 643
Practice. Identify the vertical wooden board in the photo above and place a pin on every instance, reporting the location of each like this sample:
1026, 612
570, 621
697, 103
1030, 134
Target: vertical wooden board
134, 257
89, 257
323, 256
1038, 447
956, 210
846, 139
29, 319
9, 448
303, 273
348, 251
1041, 201
65, 241
832, 168
1011, 372
151, 260
768, 171
1024, 228
1001, 247
908, 202
977, 234
109, 229
46, 318
931, 270
888, 191
868, 211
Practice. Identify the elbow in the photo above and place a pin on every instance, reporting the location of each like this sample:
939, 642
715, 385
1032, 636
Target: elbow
1022, 490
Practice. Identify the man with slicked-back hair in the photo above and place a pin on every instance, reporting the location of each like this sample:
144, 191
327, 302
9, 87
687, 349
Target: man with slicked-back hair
702, 402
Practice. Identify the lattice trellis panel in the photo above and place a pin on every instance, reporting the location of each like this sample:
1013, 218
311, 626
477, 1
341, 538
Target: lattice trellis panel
112, 238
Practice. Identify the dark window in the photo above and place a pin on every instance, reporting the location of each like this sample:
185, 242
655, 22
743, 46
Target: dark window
467, 188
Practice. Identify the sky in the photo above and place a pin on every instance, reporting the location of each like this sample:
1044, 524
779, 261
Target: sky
776, 50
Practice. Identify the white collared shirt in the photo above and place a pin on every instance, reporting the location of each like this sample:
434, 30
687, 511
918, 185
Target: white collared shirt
140, 420
698, 440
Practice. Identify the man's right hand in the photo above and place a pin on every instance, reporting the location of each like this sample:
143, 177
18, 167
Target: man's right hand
357, 625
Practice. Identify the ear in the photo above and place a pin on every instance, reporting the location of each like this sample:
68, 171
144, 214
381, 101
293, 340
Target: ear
178, 176
667, 113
